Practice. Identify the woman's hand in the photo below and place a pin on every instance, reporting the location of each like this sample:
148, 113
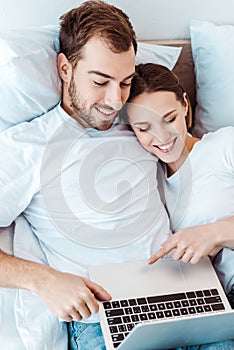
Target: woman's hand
190, 244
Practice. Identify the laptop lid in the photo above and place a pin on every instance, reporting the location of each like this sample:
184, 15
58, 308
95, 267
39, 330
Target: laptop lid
136, 280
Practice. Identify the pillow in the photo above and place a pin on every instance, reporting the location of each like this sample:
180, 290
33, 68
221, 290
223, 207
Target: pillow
30, 83
213, 55
160, 54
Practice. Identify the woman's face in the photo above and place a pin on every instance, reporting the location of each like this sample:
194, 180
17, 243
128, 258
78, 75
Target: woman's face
158, 120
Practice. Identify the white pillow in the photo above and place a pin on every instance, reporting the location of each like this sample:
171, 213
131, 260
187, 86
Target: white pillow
29, 83
160, 54
213, 55
29, 80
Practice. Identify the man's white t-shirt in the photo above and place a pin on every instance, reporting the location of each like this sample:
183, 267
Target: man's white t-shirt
90, 196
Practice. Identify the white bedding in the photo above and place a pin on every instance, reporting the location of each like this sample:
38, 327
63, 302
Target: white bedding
20, 329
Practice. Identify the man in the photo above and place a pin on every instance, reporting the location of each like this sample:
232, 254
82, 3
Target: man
80, 178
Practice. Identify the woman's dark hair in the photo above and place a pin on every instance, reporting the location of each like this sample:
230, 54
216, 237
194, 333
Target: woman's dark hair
152, 77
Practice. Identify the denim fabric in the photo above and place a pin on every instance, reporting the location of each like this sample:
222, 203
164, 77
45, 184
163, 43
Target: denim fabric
85, 336
231, 297
222, 345
88, 336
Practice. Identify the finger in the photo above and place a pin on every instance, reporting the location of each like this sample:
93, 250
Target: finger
76, 316
195, 259
166, 248
66, 318
215, 251
179, 252
97, 290
187, 256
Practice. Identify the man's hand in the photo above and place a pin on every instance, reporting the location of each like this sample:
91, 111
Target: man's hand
69, 296
190, 244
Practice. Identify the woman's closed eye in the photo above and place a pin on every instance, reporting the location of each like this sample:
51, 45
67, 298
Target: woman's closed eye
171, 119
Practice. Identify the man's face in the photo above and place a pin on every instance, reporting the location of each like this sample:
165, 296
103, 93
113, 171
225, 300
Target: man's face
99, 85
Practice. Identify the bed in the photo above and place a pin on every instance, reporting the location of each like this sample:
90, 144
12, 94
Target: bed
202, 65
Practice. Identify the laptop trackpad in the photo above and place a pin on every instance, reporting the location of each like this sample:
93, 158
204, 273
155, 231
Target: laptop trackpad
136, 279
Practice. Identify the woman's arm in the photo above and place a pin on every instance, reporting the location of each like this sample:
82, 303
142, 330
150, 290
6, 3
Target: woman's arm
194, 243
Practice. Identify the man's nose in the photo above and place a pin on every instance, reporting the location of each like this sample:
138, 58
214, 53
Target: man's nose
114, 98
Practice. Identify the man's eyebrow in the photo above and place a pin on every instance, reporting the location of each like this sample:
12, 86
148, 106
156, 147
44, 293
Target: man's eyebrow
109, 76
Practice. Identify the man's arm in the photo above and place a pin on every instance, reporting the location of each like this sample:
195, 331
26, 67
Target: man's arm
69, 296
194, 243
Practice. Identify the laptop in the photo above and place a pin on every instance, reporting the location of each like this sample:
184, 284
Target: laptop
162, 306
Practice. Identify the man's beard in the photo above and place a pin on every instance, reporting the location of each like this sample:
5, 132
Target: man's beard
80, 112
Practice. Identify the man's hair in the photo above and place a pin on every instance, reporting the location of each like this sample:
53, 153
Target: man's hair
95, 19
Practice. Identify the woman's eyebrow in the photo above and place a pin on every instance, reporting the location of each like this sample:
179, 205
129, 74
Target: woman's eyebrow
168, 113
140, 123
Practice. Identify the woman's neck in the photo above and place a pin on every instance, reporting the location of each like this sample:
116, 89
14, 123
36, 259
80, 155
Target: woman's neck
189, 143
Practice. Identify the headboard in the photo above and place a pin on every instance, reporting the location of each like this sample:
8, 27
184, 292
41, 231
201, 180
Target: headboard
184, 67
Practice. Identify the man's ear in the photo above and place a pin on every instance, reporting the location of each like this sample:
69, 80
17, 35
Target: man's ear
64, 68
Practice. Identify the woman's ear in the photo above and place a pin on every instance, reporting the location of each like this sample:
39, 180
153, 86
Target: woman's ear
64, 68
186, 103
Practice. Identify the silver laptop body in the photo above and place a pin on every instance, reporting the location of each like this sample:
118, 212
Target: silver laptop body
162, 306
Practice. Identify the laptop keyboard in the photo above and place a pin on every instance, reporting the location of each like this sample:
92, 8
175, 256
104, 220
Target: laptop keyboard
123, 315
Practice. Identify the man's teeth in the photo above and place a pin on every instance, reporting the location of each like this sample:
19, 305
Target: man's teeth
105, 111
166, 146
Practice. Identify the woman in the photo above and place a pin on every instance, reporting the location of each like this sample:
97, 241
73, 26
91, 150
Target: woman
197, 174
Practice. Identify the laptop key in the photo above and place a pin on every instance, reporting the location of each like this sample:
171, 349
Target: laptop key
114, 320
113, 329
126, 319
176, 312
184, 311
185, 303
144, 308
128, 310
200, 301
191, 310
130, 326
151, 316
123, 303
161, 306
107, 305
115, 304
153, 307
132, 302
116, 344
141, 301
214, 292
207, 308
212, 300
134, 318
117, 337
191, 295
122, 328
159, 314
137, 309
199, 309
168, 313
216, 307
114, 312
143, 317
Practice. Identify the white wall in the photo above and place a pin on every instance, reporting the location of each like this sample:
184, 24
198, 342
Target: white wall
152, 19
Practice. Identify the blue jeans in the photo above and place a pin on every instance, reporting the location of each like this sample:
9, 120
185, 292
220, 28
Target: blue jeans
85, 336
88, 336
